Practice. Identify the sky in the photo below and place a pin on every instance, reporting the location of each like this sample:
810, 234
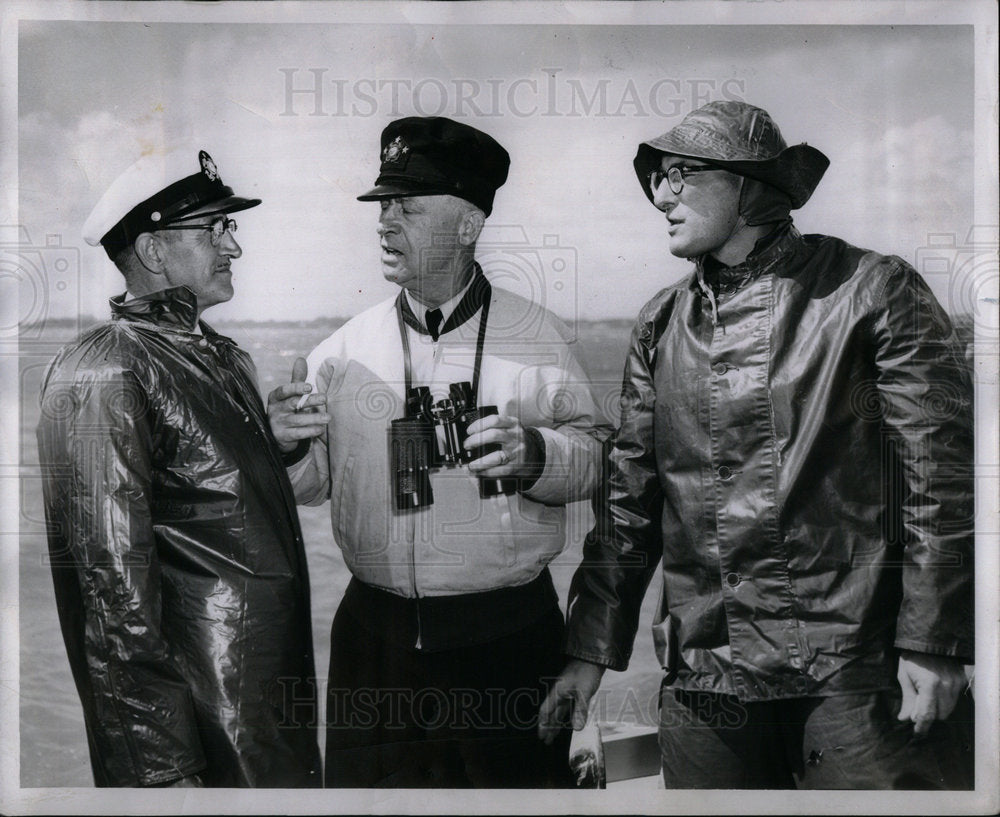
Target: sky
892, 106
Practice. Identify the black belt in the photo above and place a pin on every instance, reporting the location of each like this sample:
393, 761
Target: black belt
449, 622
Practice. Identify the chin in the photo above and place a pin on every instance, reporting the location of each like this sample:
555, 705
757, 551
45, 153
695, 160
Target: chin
690, 249
395, 275
220, 299
681, 249
222, 296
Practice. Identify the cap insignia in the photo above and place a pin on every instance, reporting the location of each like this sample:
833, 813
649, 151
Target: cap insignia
208, 166
395, 151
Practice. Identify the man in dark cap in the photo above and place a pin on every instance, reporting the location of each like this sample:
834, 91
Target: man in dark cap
796, 447
447, 519
174, 540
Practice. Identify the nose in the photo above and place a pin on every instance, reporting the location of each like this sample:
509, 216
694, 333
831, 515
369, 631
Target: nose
229, 246
663, 197
387, 217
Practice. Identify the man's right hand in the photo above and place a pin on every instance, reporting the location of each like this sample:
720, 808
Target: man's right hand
294, 416
569, 700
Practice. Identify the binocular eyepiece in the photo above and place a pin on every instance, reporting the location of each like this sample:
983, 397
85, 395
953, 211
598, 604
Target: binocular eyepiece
432, 435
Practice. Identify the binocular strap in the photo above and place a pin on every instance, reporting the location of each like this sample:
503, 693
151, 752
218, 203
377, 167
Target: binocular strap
481, 287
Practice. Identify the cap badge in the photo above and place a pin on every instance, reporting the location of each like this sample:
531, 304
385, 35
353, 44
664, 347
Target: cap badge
208, 166
395, 151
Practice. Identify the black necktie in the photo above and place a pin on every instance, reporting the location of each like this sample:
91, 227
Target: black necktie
434, 318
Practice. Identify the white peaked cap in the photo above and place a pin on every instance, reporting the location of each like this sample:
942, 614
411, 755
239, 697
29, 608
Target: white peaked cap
163, 186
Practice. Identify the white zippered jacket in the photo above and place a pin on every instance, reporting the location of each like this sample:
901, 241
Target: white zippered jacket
461, 543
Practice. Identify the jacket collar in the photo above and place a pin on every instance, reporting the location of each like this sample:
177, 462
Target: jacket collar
174, 308
475, 293
769, 250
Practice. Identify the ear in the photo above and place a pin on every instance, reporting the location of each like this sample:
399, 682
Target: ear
149, 250
470, 227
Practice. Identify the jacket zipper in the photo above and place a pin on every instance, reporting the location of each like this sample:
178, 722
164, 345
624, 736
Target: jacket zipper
413, 544
413, 577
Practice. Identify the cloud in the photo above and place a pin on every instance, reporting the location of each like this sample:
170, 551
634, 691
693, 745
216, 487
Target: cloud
891, 187
892, 108
932, 160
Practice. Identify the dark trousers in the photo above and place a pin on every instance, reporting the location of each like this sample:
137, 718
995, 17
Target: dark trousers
713, 741
446, 718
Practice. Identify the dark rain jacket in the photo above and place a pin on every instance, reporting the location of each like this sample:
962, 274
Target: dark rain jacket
178, 562
798, 450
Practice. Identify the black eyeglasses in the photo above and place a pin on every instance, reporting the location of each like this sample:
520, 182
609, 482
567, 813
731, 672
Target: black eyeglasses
217, 228
675, 176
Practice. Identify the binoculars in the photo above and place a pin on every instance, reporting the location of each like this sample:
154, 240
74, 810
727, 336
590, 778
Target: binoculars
432, 435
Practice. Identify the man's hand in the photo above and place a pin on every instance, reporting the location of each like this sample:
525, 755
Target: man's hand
931, 686
569, 700
516, 455
293, 412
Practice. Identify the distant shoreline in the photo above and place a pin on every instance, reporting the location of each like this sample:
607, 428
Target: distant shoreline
35, 329
60, 325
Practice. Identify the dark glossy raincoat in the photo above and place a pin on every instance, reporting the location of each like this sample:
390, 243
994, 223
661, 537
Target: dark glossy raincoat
178, 562
798, 450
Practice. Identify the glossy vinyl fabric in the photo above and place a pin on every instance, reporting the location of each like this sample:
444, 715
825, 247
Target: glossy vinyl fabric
796, 444
177, 557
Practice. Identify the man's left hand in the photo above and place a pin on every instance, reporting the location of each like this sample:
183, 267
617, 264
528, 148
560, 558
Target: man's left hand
931, 686
516, 454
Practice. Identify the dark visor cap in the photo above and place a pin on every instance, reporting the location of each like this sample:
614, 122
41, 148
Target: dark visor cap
427, 156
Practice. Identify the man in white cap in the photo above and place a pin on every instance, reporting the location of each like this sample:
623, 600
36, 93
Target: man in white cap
175, 547
796, 448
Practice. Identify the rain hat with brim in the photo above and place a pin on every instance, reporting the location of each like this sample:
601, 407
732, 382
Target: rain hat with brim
742, 139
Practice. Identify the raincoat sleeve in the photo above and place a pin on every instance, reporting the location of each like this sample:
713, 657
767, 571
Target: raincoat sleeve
95, 445
924, 386
623, 550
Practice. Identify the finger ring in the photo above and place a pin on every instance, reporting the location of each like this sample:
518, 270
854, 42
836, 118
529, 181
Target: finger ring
504, 457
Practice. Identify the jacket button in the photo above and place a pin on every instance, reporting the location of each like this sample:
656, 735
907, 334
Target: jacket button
733, 579
724, 472
720, 368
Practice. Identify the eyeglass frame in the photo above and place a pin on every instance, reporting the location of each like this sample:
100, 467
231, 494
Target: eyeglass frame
228, 226
679, 173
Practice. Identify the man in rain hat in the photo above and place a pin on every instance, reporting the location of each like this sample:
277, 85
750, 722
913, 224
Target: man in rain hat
450, 626
795, 447
178, 563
